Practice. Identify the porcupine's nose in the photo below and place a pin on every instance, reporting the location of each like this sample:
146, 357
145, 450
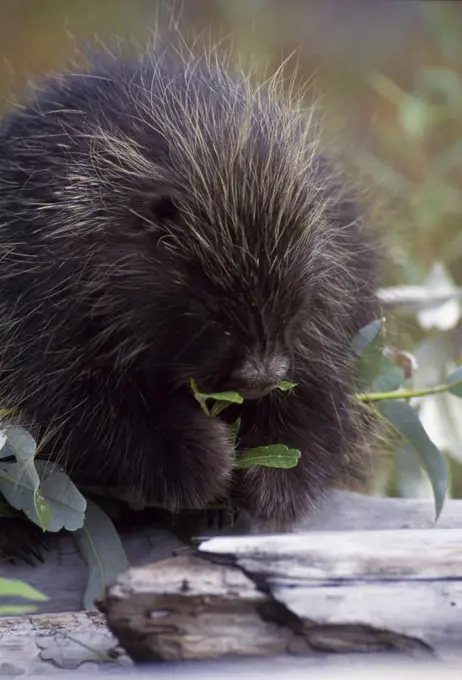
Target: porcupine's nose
253, 379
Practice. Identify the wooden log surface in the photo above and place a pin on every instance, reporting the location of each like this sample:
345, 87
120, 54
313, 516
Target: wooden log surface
291, 594
61, 637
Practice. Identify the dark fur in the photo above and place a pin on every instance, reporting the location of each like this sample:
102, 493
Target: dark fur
123, 275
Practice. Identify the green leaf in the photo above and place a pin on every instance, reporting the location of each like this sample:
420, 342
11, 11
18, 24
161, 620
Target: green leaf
100, 546
366, 335
16, 609
234, 430
391, 377
285, 385
276, 456
369, 364
406, 422
20, 444
224, 399
231, 397
15, 588
228, 397
43, 510
66, 503
456, 376
373, 368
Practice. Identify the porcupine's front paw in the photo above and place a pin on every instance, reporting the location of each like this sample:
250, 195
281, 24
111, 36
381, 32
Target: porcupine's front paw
197, 459
283, 498
22, 540
275, 497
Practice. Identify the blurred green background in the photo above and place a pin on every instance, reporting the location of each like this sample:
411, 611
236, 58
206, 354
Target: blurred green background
389, 77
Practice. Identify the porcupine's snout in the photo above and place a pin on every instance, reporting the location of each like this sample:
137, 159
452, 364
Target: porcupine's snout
254, 378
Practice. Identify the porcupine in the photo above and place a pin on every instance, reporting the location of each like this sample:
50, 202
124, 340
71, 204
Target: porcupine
163, 220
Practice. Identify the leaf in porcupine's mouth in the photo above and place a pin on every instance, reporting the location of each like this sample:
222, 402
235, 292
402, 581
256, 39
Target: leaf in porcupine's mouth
274, 456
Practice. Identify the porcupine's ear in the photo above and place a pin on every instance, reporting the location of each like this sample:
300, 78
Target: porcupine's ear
154, 210
162, 207
159, 219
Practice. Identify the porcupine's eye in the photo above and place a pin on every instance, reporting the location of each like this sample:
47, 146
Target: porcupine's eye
220, 329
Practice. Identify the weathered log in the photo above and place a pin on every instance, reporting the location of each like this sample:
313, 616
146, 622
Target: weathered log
292, 594
83, 640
